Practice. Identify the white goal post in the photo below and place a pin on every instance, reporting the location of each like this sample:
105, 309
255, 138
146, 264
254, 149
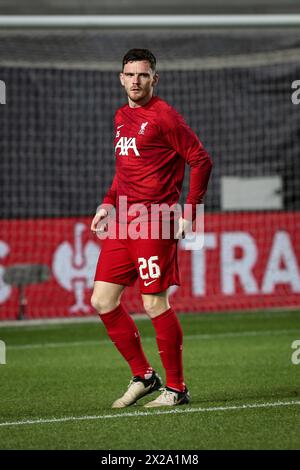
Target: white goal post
149, 21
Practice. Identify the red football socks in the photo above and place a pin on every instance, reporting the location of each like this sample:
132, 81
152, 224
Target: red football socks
169, 341
125, 335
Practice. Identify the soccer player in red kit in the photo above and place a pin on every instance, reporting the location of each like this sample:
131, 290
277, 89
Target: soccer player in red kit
152, 145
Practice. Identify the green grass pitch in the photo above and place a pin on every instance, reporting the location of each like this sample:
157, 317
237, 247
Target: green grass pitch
59, 381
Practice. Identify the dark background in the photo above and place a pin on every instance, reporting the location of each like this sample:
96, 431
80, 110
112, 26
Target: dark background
232, 86
102, 7
56, 143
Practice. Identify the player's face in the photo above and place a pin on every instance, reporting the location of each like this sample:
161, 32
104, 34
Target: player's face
138, 79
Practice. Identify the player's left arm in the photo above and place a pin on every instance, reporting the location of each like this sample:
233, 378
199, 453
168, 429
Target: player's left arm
187, 144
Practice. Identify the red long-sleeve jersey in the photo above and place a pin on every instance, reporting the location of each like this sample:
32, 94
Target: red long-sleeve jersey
152, 144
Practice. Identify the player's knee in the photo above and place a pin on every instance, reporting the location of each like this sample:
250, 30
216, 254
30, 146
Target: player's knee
96, 302
153, 306
103, 303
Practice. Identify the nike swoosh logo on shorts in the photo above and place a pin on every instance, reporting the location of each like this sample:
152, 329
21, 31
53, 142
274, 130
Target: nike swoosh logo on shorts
146, 284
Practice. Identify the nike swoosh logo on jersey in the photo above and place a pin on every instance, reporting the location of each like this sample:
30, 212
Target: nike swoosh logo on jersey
119, 127
146, 284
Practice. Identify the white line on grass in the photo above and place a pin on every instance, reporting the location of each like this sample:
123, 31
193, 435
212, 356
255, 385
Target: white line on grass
150, 338
137, 414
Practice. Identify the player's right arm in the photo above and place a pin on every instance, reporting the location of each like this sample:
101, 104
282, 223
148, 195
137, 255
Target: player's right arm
100, 215
107, 205
109, 201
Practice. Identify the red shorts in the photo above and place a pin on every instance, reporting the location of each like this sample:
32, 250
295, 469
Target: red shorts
154, 262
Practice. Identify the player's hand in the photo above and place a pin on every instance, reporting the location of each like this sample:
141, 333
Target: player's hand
184, 227
96, 225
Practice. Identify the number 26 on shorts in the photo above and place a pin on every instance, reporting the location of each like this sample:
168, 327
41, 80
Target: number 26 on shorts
148, 268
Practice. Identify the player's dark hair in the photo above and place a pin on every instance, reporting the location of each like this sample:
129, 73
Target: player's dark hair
139, 54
